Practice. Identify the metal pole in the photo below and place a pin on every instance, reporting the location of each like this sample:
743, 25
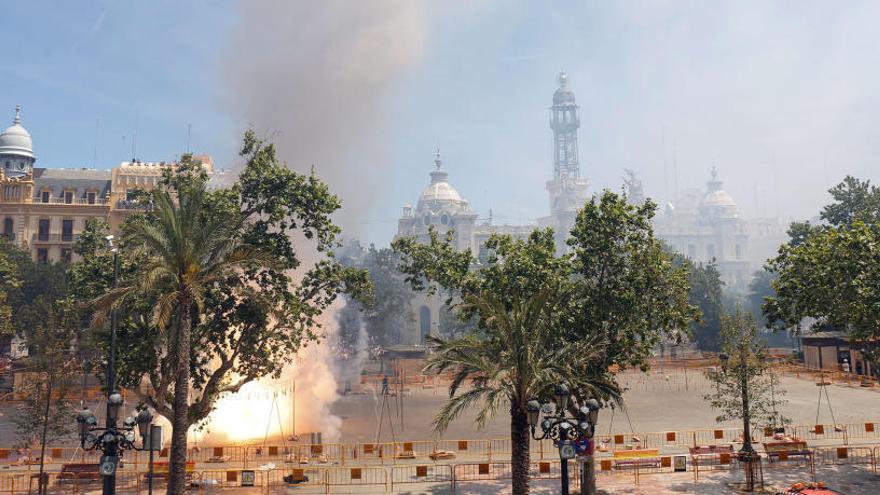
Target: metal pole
564, 476
150, 479
111, 451
43, 485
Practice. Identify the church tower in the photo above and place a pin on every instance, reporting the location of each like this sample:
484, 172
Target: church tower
568, 191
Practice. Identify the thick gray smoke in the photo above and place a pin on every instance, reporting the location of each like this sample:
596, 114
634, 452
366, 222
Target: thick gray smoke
315, 76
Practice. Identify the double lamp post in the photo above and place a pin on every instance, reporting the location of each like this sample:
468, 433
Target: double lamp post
112, 440
572, 435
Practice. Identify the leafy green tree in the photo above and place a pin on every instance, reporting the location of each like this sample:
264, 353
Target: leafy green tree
387, 314
830, 272
617, 291
214, 273
706, 293
9, 282
44, 416
36, 287
854, 200
745, 386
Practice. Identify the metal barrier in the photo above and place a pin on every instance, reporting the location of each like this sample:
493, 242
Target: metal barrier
839, 456
362, 477
436, 473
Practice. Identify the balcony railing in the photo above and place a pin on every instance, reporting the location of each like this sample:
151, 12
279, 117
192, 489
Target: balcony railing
126, 204
74, 201
54, 238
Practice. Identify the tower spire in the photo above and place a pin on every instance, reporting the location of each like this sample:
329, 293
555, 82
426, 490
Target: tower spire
437, 161
565, 121
17, 119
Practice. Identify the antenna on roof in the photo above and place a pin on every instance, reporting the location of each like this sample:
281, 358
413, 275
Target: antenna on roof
188, 136
95, 155
675, 166
134, 139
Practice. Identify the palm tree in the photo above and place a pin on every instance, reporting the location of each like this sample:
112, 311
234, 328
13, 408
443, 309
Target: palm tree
517, 357
186, 249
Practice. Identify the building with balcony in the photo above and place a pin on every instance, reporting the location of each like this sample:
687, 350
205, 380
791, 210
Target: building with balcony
45, 209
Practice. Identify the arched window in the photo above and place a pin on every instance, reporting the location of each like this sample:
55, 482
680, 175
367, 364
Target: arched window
8, 228
424, 322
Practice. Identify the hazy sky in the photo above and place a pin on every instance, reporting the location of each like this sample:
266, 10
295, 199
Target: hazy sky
780, 96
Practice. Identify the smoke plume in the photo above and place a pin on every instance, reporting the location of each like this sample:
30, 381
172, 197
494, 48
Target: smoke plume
315, 76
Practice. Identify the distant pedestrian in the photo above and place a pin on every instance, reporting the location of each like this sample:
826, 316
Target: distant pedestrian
845, 366
384, 385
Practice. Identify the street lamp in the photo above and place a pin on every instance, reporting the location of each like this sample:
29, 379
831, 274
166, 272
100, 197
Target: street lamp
571, 435
112, 441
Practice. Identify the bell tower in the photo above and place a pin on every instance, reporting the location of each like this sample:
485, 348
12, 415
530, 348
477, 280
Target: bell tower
567, 190
565, 121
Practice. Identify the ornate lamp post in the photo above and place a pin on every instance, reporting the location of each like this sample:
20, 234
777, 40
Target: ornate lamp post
112, 441
565, 431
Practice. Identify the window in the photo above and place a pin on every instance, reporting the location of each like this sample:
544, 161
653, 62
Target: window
44, 196
42, 255
90, 198
43, 230
68, 197
444, 219
427, 219
7, 164
66, 255
67, 230
8, 228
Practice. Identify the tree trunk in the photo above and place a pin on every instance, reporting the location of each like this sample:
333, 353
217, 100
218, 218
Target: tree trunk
519, 442
180, 423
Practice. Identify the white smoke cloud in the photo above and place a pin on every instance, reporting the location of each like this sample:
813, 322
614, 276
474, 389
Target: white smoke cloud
316, 77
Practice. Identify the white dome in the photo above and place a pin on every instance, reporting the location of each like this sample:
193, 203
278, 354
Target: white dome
440, 194
717, 203
16, 140
718, 198
439, 191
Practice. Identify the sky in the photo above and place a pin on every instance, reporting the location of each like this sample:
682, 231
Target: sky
780, 96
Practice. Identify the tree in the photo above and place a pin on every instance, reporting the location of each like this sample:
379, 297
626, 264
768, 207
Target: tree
745, 387
854, 200
707, 295
9, 282
617, 290
830, 272
214, 270
519, 298
44, 415
518, 357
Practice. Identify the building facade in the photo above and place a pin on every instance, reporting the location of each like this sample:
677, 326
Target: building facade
45, 209
706, 226
442, 208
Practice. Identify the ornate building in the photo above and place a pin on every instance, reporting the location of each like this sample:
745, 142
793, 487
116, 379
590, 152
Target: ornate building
45, 209
440, 206
708, 228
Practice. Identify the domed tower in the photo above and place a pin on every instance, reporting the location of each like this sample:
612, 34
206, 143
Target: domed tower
717, 204
16, 149
441, 207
